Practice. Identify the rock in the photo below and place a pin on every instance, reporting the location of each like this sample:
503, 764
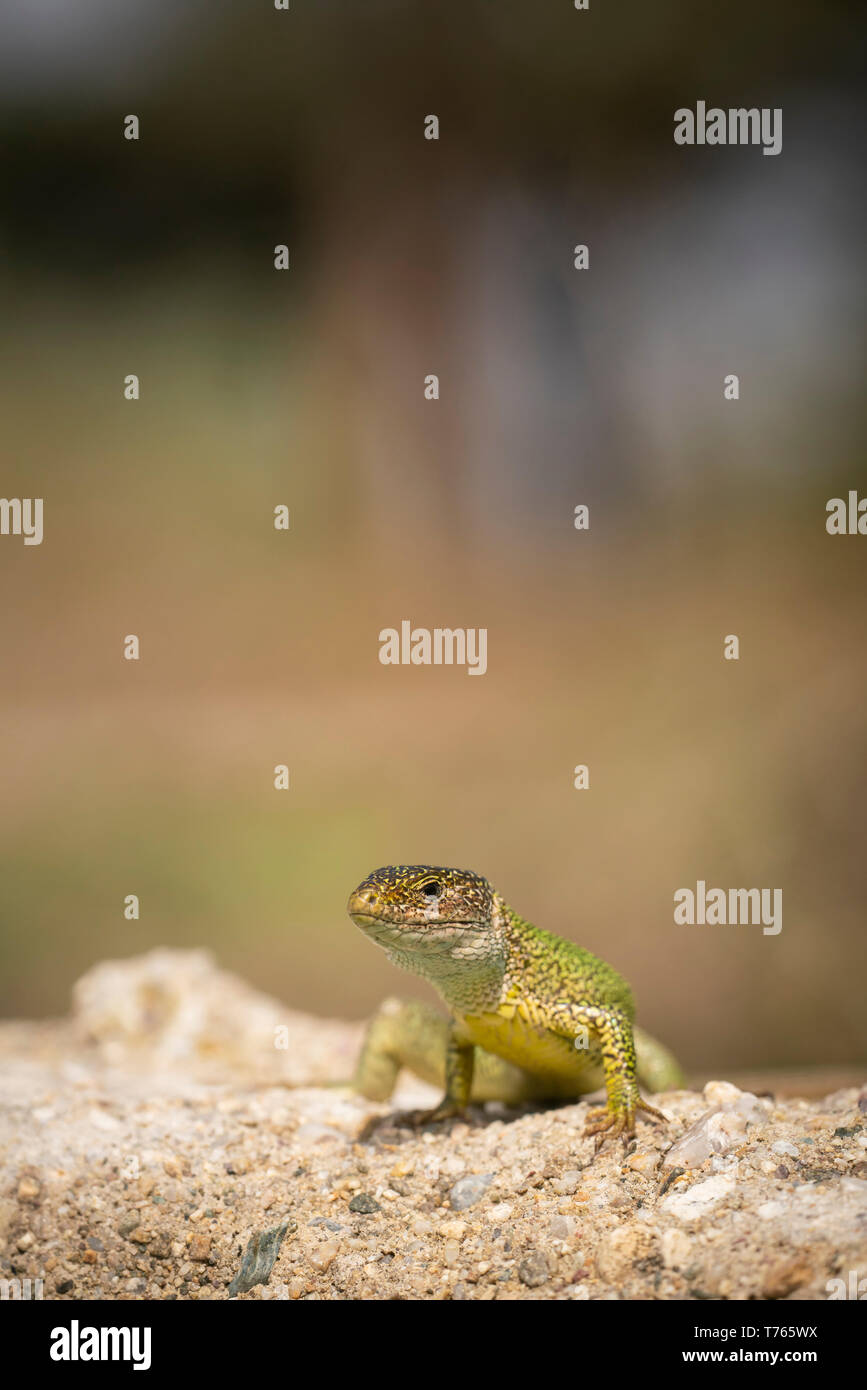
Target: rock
722, 1095
719, 1130
101, 1119
567, 1182
676, 1248
621, 1248
170, 1006
642, 1162
312, 1133
8, 1214
499, 1213
534, 1270
858, 1186
321, 1257
562, 1227
700, 1198
262, 1250
197, 1148
453, 1230
469, 1190
768, 1211
364, 1205
29, 1189
783, 1277
713, 1133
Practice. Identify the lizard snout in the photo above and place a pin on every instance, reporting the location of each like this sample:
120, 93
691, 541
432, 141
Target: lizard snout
362, 906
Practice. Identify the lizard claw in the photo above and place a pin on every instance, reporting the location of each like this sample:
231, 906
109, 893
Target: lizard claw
408, 1119
607, 1123
414, 1119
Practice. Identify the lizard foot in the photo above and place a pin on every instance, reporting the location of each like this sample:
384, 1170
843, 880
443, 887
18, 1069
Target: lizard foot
606, 1123
408, 1119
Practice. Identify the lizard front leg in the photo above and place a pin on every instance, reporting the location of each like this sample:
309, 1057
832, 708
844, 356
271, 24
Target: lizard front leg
612, 1030
460, 1057
379, 1065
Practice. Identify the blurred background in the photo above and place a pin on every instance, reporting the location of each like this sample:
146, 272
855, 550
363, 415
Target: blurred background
558, 387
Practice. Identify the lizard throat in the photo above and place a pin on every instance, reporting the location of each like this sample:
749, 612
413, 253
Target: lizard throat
464, 961
468, 977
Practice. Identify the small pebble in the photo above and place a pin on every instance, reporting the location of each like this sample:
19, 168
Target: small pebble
562, 1227
321, 1257
469, 1190
783, 1147
533, 1270
364, 1204
453, 1230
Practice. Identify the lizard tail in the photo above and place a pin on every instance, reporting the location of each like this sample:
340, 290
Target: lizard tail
658, 1069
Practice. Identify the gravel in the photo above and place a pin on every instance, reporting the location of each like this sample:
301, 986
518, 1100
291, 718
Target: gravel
191, 1160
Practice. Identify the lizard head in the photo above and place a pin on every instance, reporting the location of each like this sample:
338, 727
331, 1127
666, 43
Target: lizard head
417, 907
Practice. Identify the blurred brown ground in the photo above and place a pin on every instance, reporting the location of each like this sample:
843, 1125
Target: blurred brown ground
604, 648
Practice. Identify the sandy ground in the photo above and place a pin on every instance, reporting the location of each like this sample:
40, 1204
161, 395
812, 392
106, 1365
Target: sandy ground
182, 1136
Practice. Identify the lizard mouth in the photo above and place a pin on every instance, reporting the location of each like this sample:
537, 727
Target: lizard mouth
421, 931
366, 912
364, 919
421, 936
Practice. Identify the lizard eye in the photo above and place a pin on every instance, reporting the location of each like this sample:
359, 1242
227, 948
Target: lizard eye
431, 889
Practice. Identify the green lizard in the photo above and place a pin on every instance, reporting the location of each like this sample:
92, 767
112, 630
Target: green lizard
533, 1017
